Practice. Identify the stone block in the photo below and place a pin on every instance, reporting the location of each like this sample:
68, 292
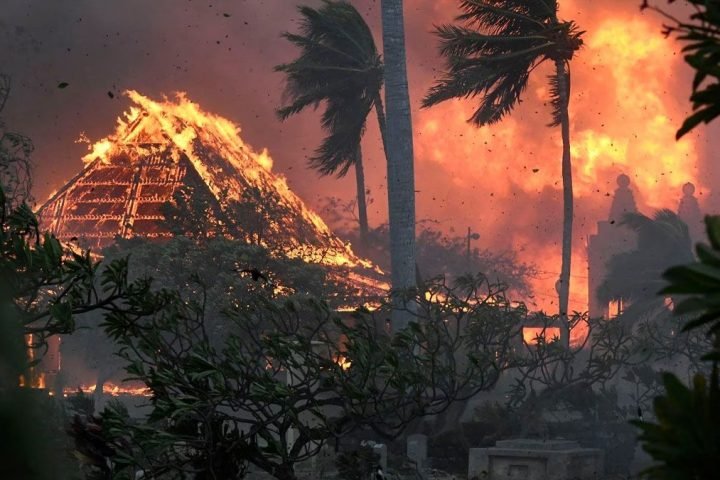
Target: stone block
535, 460
417, 450
381, 450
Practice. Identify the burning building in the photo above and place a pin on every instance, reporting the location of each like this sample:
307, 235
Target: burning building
170, 166
171, 159
163, 152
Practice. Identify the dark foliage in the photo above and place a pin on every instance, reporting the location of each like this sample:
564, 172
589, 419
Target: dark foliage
700, 35
339, 65
44, 286
634, 277
289, 376
437, 254
357, 464
685, 441
15, 162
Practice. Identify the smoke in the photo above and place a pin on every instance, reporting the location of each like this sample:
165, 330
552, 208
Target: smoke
629, 95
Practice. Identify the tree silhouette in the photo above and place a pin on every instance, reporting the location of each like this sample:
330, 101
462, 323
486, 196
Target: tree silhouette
339, 65
635, 277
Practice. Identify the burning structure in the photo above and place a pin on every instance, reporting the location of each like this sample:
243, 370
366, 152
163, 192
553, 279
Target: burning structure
171, 168
171, 152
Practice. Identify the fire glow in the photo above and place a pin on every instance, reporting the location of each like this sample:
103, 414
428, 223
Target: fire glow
628, 100
342, 361
112, 389
213, 147
630, 91
531, 335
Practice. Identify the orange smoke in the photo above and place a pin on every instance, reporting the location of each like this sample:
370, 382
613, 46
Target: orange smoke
504, 180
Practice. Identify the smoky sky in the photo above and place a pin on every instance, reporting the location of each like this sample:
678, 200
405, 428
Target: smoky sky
222, 53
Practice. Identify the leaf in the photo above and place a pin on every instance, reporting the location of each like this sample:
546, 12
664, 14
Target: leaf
712, 226
62, 313
705, 115
708, 255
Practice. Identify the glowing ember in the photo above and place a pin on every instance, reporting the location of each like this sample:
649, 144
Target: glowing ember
342, 361
111, 389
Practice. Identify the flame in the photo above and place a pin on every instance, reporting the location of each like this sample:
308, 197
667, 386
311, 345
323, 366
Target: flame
36, 380
342, 361
115, 390
639, 74
504, 180
149, 125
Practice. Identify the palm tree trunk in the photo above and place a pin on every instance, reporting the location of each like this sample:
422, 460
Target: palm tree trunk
382, 124
362, 204
400, 168
563, 73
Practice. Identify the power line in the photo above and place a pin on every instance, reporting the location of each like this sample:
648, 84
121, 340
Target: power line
546, 272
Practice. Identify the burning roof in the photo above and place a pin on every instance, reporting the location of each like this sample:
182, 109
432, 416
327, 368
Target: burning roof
160, 151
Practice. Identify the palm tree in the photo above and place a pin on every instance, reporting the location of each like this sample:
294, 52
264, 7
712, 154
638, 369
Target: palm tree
339, 65
635, 277
399, 153
491, 55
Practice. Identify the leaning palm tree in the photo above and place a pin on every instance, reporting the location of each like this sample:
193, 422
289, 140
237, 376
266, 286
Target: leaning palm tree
338, 65
491, 54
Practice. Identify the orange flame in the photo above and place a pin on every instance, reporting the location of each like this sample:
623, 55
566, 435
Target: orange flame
149, 125
36, 380
112, 389
342, 361
504, 180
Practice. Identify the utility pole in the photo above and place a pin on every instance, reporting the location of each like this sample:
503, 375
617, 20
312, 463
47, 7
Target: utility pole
471, 236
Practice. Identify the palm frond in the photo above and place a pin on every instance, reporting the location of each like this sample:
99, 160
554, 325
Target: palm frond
499, 84
505, 15
492, 66
663, 241
492, 53
636, 221
339, 23
665, 230
674, 229
338, 66
317, 46
346, 124
456, 41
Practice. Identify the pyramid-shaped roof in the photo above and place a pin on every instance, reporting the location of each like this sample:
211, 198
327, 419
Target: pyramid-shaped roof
162, 149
